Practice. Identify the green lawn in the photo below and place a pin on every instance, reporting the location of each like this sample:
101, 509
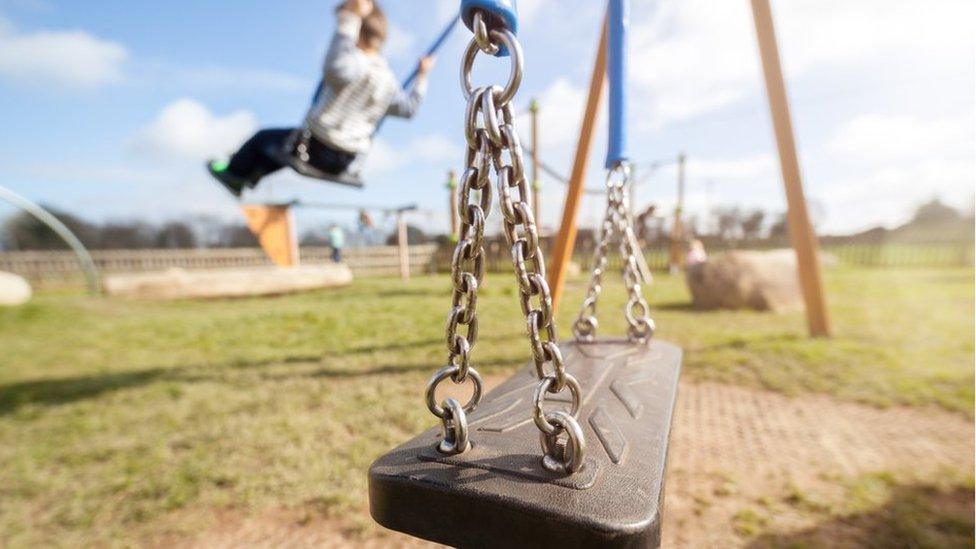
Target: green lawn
114, 413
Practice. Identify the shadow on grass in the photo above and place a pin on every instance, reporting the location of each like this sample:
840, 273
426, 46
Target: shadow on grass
914, 516
57, 391
678, 306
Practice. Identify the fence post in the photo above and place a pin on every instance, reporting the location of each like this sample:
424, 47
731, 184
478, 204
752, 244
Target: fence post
403, 247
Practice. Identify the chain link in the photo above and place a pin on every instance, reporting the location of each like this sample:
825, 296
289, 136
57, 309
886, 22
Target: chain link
617, 222
494, 149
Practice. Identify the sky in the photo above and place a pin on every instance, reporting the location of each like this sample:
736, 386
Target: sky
109, 107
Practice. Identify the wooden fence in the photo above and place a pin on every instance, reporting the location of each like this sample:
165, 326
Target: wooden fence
936, 255
57, 268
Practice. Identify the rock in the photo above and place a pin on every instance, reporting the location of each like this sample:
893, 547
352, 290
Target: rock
14, 290
223, 283
764, 281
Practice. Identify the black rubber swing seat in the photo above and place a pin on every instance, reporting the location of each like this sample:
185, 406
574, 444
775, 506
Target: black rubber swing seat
308, 170
497, 494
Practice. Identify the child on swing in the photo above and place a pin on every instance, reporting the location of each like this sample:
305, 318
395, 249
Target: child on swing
358, 90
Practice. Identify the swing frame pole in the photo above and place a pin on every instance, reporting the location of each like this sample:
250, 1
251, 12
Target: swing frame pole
801, 230
562, 252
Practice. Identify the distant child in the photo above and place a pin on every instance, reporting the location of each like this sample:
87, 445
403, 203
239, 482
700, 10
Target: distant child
359, 89
337, 241
696, 254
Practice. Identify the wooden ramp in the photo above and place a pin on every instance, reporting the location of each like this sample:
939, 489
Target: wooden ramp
226, 283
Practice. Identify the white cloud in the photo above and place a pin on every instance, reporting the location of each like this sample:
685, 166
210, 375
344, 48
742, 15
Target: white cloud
429, 150
906, 160
188, 130
695, 56
887, 195
560, 113
67, 58
877, 137
754, 167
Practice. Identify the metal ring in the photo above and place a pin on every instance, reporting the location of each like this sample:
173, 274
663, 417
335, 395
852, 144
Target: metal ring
454, 319
515, 73
562, 459
440, 376
462, 350
635, 305
539, 398
642, 331
471, 117
455, 429
490, 112
585, 328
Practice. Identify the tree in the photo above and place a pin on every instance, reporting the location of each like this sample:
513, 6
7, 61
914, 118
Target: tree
126, 236
414, 236
233, 235
752, 224
23, 231
780, 229
176, 234
934, 211
728, 222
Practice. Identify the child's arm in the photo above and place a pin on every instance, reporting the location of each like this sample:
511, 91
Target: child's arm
343, 64
406, 104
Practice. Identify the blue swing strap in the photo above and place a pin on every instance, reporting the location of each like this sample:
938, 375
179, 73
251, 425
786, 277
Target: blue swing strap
619, 20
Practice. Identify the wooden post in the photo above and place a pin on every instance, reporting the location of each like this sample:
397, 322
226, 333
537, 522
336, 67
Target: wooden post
536, 182
562, 252
801, 231
678, 228
452, 211
403, 246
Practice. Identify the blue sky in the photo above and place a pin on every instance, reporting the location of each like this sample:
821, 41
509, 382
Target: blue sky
109, 107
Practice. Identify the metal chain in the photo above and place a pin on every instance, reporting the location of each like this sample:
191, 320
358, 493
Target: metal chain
617, 222
494, 149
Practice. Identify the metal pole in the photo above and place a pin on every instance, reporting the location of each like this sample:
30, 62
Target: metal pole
403, 247
42, 215
677, 229
452, 211
801, 231
536, 182
562, 252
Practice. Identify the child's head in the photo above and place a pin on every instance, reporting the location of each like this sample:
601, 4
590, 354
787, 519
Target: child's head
372, 35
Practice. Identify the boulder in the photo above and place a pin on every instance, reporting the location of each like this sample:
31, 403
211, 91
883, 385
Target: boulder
763, 281
14, 290
224, 283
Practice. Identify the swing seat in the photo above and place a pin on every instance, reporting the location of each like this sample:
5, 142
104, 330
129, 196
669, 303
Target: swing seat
286, 158
497, 494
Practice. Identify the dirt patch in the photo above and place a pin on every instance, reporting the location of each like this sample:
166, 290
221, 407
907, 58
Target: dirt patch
747, 466
745, 462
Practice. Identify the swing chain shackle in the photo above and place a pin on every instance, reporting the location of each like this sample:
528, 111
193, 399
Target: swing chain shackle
617, 222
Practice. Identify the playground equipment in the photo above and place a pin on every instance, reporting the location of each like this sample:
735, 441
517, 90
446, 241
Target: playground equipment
273, 224
295, 152
802, 236
42, 215
479, 479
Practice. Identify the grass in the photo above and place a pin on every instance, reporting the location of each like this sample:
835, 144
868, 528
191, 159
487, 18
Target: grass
117, 414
